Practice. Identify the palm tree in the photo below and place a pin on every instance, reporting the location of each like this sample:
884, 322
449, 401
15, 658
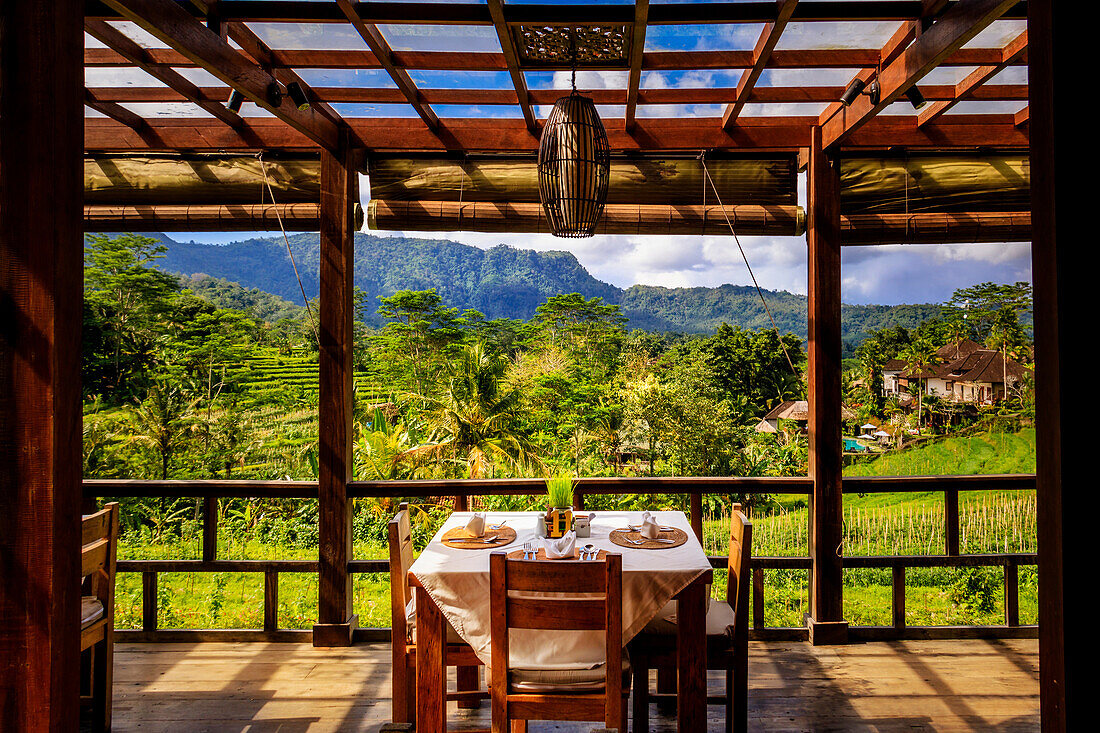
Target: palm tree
162, 420
476, 420
919, 355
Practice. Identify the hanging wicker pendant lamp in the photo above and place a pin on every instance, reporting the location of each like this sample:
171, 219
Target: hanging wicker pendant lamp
574, 166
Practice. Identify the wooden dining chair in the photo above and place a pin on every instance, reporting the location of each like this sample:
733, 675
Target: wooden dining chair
98, 553
403, 634
519, 695
727, 638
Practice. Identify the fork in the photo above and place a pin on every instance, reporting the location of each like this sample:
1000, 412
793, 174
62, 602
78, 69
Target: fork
642, 542
529, 549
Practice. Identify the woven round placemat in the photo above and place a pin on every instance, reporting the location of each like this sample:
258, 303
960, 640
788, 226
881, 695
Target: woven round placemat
501, 537
541, 555
620, 537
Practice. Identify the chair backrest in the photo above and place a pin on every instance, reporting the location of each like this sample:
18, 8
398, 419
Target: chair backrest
98, 553
739, 579
511, 583
401, 558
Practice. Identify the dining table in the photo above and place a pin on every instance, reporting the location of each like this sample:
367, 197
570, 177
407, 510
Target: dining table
452, 586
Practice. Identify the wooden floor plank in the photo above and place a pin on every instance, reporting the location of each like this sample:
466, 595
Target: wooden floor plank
970, 685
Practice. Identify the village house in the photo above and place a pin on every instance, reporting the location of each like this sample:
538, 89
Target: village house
795, 410
967, 372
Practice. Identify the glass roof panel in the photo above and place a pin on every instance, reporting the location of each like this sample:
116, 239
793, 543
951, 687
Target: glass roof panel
296, 36
1010, 75
363, 78
784, 109
680, 110
998, 34
700, 79
806, 77
151, 110
118, 76
586, 79
135, 33
971, 107
703, 37
494, 111
361, 109
470, 38
461, 79
947, 74
848, 34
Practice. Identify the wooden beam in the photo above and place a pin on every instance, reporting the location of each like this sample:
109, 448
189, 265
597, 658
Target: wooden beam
381, 50
959, 24
826, 453
717, 95
637, 51
511, 135
296, 217
1022, 117
519, 81
41, 265
339, 194
176, 27
924, 228
769, 37
140, 57
974, 80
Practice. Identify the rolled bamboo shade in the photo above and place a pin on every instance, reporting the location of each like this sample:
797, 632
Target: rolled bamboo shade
574, 167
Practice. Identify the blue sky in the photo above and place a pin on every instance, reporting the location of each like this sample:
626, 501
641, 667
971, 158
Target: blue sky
871, 274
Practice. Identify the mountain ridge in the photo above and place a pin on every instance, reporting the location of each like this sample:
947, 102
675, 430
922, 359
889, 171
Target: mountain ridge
509, 282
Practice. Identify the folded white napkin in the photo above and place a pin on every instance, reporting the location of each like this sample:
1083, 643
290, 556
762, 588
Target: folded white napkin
565, 547
650, 527
476, 525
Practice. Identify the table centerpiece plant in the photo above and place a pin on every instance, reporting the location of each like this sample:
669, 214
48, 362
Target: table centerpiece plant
559, 510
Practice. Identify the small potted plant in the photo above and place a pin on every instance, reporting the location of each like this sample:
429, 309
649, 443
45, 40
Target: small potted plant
559, 511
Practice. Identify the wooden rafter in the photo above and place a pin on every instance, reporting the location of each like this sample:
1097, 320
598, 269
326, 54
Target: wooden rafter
381, 50
519, 82
637, 52
716, 95
769, 37
974, 80
1022, 117
176, 27
140, 57
816, 58
959, 24
115, 111
511, 135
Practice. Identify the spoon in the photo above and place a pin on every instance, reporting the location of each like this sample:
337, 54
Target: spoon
589, 552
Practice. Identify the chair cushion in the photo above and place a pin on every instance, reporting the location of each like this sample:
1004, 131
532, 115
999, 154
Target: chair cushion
591, 679
719, 617
91, 610
410, 626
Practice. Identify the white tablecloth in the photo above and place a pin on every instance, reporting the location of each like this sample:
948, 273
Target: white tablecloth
458, 582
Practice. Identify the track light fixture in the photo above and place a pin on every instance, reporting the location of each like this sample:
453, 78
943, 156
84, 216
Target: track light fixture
855, 86
915, 97
236, 99
274, 94
297, 95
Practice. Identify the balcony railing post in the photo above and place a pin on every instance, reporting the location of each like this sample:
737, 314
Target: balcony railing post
271, 600
209, 528
951, 521
697, 514
898, 592
149, 600
758, 598
1012, 594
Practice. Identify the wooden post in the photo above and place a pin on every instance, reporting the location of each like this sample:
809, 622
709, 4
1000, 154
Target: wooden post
826, 460
209, 528
951, 521
149, 600
41, 259
339, 193
898, 592
271, 600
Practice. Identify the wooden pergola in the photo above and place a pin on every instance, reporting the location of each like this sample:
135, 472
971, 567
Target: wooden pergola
46, 134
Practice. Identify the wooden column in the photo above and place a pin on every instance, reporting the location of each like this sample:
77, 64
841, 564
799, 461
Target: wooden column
339, 193
41, 260
823, 239
1064, 308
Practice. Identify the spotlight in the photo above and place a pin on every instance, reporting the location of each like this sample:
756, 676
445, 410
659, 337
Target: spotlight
855, 86
297, 95
236, 99
915, 97
274, 94
873, 91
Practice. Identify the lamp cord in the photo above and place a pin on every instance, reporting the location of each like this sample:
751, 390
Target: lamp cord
759, 291
293, 263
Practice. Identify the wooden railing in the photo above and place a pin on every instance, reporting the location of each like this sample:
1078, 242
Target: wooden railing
694, 488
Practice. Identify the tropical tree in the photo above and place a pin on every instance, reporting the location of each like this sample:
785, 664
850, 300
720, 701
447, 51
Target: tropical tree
918, 356
476, 421
161, 422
